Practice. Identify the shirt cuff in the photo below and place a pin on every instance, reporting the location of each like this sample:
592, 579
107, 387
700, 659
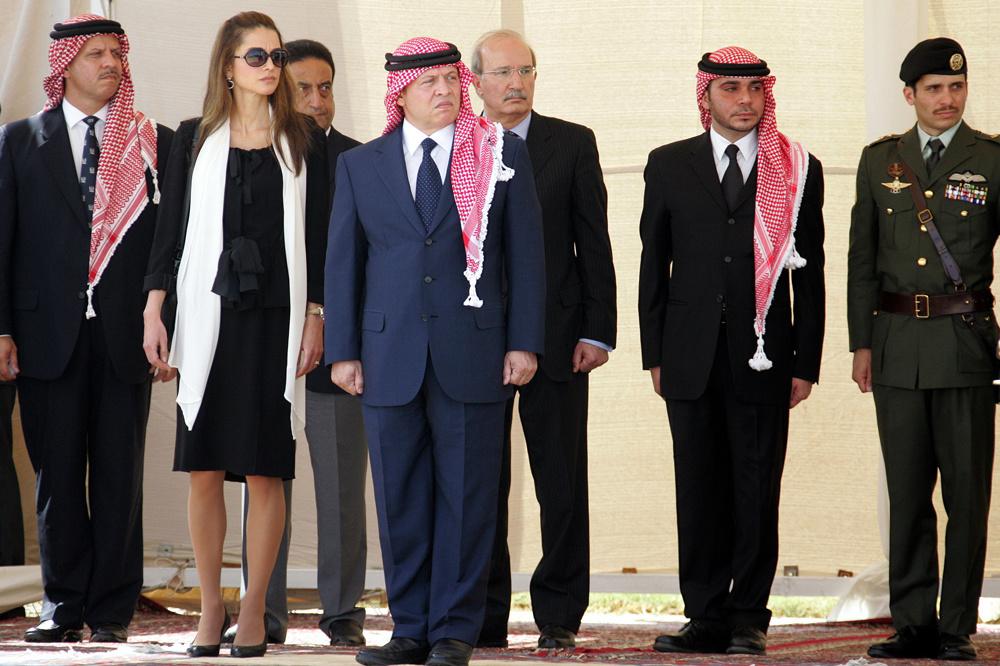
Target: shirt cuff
597, 344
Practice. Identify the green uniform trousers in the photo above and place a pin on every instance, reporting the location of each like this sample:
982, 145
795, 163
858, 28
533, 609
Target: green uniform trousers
923, 431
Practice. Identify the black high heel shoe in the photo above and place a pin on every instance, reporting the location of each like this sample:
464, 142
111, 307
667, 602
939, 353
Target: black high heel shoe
198, 651
243, 651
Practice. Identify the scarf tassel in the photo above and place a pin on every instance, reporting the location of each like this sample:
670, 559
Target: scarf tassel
795, 260
473, 300
760, 362
91, 313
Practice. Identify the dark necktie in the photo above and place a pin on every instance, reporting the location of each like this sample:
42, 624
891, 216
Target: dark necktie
732, 180
936, 149
428, 185
88, 166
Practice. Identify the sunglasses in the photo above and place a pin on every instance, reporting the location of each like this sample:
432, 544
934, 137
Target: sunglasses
256, 57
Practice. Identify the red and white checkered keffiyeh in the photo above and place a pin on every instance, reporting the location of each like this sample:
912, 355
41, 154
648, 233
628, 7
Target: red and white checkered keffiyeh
781, 174
476, 156
128, 148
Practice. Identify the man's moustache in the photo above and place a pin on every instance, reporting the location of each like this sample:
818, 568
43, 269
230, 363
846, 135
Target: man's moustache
515, 94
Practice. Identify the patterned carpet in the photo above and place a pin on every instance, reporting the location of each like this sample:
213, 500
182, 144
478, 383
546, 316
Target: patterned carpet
159, 637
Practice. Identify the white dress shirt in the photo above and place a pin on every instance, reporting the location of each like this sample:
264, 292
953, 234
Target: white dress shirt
78, 130
413, 153
745, 158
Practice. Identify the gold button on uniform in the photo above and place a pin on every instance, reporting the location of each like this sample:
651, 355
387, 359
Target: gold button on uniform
888, 211
928, 194
921, 262
964, 213
923, 227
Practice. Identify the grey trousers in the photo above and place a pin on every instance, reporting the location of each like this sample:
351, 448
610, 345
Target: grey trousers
11, 522
339, 454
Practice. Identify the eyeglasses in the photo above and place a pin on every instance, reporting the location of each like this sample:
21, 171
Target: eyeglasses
504, 73
256, 57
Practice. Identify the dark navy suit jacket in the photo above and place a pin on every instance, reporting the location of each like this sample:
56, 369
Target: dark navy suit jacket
395, 291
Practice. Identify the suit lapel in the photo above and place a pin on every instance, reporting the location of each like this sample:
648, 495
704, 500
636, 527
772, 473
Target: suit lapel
540, 148
749, 188
957, 152
909, 152
57, 156
446, 202
392, 170
703, 164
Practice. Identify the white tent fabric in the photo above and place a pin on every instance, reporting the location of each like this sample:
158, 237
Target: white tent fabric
627, 71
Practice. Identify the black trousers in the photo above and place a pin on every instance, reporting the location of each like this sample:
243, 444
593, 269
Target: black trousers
11, 521
728, 459
85, 433
554, 419
922, 432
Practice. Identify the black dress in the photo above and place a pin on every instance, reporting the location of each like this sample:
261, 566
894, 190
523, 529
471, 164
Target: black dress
243, 426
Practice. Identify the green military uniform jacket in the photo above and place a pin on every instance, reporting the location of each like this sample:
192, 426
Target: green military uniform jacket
891, 251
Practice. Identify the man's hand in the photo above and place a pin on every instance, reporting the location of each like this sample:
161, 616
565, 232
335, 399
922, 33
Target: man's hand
519, 367
801, 388
862, 370
311, 352
348, 376
8, 359
154, 343
654, 374
586, 357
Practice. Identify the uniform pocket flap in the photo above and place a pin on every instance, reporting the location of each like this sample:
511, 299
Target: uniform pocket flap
373, 321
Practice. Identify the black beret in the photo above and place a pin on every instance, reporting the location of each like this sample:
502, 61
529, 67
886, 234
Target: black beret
757, 69
93, 27
940, 55
394, 63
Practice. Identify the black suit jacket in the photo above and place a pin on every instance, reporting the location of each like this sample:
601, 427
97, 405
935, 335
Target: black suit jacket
336, 143
697, 257
581, 296
45, 249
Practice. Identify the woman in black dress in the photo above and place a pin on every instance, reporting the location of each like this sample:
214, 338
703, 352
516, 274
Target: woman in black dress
248, 323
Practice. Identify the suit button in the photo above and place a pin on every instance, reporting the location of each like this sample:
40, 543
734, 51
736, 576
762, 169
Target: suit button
731, 220
928, 194
428, 279
888, 211
424, 317
428, 242
728, 259
719, 298
921, 262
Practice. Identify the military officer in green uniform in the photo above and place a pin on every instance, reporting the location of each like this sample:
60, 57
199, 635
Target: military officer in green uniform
924, 339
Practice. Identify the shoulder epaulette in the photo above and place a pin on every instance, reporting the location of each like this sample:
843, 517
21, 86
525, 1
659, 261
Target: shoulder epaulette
883, 139
995, 138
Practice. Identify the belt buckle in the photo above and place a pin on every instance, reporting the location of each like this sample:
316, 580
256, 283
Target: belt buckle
925, 300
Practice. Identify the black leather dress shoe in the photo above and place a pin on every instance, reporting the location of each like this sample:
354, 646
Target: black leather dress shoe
695, 636
554, 637
908, 643
399, 650
747, 640
956, 648
345, 633
50, 632
449, 652
492, 642
211, 650
109, 633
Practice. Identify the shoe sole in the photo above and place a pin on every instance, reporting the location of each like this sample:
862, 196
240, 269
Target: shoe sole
375, 660
741, 650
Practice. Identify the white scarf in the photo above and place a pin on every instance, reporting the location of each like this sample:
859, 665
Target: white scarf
199, 309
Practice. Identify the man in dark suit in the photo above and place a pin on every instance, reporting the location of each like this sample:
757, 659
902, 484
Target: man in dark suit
11, 520
580, 323
79, 180
436, 322
724, 214
924, 337
334, 427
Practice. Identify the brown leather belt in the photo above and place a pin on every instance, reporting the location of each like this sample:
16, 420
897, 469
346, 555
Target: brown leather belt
925, 306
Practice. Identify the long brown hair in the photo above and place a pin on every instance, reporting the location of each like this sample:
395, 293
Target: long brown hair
285, 121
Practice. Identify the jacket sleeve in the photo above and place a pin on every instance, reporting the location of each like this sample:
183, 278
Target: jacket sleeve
8, 220
170, 213
317, 215
346, 256
862, 277
593, 245
654, 264
808, 284
524, 258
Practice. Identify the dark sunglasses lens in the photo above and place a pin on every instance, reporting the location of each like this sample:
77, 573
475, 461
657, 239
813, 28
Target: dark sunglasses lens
279, 57
255, 57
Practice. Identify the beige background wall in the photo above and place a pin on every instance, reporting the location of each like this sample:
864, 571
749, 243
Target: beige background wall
627, 71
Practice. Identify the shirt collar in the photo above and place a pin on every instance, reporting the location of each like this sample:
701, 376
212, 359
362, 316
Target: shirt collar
945, 136
521, 129
412, 137
747, 144
74, 115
